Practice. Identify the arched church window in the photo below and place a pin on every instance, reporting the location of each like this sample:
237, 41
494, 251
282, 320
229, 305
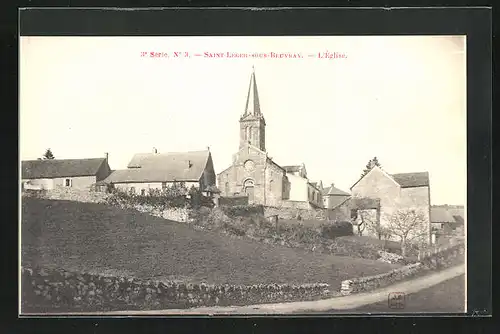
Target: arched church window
226, 188
271, 185
250, 134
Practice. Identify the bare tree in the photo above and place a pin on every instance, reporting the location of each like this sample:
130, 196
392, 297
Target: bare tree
409, 226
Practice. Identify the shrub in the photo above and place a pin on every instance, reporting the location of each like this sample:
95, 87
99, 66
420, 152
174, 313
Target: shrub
176, 196
243, 210
337, 229
35, 193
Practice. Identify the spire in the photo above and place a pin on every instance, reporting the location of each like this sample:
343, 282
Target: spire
252, 106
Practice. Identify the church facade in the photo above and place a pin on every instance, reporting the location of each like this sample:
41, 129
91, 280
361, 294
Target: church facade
254, 174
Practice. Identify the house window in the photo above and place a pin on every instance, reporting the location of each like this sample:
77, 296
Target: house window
354, 214
67, 182
143, 192
132, 190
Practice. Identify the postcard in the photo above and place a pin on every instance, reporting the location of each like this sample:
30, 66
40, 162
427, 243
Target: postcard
242, 175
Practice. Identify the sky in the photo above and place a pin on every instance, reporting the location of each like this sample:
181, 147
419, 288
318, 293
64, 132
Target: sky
399, 98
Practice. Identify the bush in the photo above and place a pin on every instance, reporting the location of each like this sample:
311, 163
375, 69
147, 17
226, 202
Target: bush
176, 196
337, 229
243, 210
35, 193
243, 221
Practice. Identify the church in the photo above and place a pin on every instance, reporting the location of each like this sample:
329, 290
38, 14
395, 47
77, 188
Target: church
254, 174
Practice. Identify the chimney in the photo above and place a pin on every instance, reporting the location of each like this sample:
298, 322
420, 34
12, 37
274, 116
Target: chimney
155, 151
189, 164
106, 155
333, 185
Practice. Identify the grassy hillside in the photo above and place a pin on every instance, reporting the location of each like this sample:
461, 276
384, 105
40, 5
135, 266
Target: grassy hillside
96, 238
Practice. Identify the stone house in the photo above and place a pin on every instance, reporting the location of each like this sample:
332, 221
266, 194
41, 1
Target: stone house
255, 174
160, 170
445, 220
405, 191
301, 188
50, 174
333, 197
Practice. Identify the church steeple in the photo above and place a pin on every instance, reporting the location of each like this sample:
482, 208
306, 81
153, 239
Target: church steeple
252, 123
252, 106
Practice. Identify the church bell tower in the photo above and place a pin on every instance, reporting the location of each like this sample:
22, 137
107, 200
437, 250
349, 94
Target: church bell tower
252, 123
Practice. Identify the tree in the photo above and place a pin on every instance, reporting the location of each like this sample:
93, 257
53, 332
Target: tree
48, 155
409, 226
372, 163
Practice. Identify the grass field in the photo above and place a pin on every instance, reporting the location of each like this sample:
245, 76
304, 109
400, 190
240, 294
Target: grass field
93, 237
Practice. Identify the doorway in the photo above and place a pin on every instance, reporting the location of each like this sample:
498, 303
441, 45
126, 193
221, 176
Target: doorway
250, 191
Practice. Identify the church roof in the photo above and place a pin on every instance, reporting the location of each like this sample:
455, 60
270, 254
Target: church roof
293, 169
252, 106
276, 164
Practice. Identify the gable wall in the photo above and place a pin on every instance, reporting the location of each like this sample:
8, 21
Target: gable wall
378, 185
208, 178
298, 188
103, 171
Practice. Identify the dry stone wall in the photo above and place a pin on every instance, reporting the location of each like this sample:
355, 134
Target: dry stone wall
444, 258
61, 291
292, 213
69, 194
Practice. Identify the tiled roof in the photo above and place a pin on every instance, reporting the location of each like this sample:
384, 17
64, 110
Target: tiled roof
325, 191
336, 191
333, 191
53, 168
441, 215
271, 161
410, 180
148, 175
292, 169
459, 219
165, 167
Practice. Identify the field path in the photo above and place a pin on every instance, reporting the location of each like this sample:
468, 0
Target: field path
338, 303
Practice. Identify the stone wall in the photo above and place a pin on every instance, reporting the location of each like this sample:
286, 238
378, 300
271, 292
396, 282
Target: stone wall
440, 259
176, 214
233, 200
62, 291
69, 194
291, 212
